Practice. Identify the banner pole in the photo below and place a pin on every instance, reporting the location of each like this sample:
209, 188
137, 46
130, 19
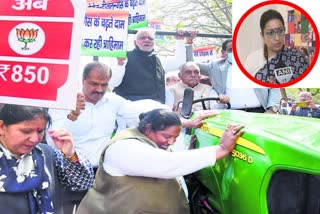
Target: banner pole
186, 33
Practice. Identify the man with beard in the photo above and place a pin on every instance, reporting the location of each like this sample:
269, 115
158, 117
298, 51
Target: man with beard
141, 75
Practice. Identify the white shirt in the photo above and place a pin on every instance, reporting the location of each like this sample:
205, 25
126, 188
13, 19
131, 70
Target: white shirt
214, 103
93, 128
241, 97
133, 158
170, 64
139, 106
200, 91
254, 62
169, 98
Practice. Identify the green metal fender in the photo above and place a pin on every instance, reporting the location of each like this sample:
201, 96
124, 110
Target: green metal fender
238, 184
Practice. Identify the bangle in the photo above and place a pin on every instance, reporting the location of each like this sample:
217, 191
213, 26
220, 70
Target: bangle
69, 156
73, 157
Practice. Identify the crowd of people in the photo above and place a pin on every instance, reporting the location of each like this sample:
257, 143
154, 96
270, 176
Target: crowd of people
119, 140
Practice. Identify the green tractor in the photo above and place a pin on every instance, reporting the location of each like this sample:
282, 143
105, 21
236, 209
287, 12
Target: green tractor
274, 168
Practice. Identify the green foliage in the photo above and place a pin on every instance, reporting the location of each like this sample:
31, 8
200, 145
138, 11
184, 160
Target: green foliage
180, 25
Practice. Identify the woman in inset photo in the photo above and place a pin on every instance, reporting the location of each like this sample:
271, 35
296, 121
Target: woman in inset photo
275, 63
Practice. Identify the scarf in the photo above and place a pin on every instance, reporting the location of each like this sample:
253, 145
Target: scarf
26, 175
286, 58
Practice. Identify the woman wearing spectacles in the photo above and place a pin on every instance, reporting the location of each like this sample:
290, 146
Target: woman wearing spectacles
275, 63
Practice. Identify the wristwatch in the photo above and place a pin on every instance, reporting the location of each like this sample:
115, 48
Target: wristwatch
274, 109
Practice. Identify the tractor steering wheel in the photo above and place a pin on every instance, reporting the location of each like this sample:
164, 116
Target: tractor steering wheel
202, 100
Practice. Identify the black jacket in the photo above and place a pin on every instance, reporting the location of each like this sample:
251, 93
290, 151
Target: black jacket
143, 78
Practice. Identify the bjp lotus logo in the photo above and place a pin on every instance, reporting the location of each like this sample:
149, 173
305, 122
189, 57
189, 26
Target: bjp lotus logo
26, 36
32, 36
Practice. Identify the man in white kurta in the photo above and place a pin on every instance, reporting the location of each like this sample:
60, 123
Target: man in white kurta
190, 78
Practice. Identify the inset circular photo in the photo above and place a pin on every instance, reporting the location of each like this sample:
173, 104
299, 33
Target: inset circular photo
276, 44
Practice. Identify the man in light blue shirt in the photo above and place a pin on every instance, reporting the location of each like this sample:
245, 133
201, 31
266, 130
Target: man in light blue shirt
250, 100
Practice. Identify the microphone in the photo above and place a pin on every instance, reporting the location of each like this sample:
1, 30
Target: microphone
282, 72
187, 102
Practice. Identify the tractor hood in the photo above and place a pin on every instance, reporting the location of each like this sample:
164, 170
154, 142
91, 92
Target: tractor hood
296, 132
275, 161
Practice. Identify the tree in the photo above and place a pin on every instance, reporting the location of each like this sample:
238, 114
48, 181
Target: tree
205, 16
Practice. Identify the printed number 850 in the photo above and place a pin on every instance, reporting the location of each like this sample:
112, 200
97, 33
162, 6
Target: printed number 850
29, 75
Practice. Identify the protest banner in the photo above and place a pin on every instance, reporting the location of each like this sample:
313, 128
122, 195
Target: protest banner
137, 9
105, 32
205, 54
40, 49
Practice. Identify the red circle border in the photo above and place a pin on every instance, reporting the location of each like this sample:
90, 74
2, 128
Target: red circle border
316, 53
